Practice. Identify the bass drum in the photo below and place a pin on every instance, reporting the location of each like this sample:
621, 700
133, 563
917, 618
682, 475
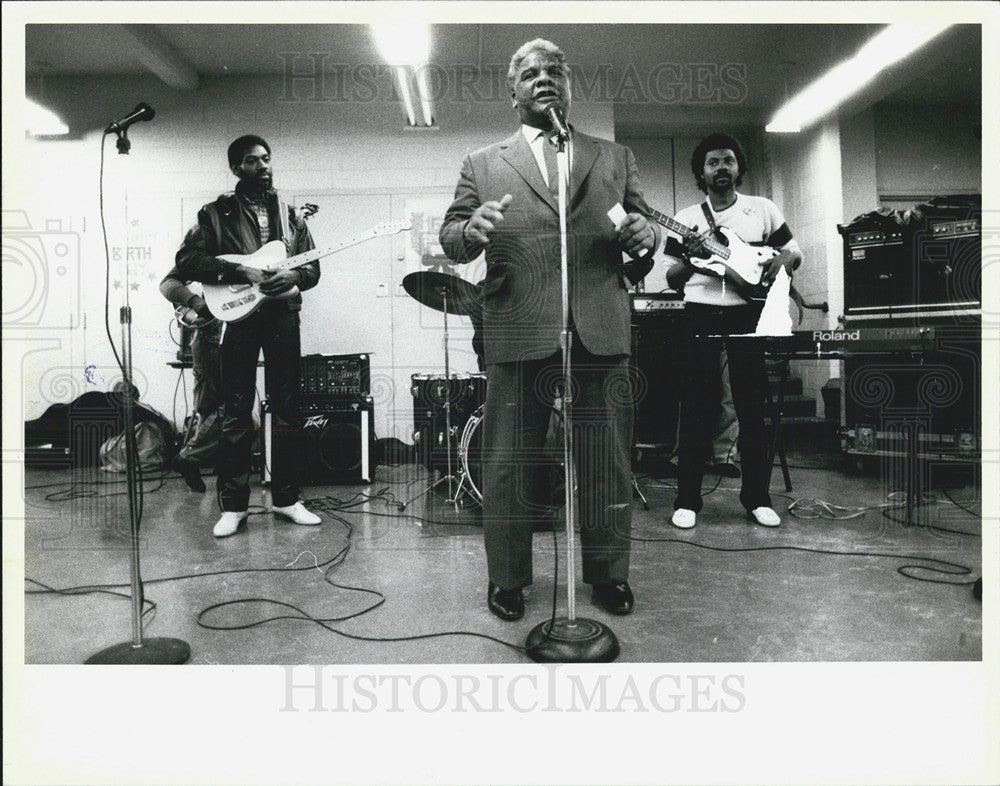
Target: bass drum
550, 490
470, 452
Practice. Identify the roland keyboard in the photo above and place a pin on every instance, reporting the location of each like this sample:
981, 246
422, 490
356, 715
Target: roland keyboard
870, 340
845, 342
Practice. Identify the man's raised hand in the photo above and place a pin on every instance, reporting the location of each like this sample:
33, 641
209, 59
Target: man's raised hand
485, 219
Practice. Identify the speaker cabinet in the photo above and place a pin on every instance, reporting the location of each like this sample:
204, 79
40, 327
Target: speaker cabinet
338, 442
938, 393
656, 358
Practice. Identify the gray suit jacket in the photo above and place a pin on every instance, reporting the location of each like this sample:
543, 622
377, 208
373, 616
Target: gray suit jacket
522, 293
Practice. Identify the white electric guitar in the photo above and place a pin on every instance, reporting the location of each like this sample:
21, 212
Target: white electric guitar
233, 302
731, 258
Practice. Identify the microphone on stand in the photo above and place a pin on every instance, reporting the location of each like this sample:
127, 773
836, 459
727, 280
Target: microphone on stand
558, 124
120, 127
142, 112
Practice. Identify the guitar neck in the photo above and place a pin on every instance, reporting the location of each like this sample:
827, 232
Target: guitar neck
712, 245
318, 253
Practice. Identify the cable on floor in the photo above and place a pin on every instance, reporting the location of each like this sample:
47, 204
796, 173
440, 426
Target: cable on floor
300, 614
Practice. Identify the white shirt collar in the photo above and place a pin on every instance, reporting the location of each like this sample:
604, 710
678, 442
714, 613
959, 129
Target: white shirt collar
530, 132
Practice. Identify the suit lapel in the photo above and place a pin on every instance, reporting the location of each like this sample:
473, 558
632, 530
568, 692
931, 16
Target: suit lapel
585, 152
517, 153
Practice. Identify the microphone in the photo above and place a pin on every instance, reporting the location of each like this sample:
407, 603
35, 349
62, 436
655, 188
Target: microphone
142, 112
557, 123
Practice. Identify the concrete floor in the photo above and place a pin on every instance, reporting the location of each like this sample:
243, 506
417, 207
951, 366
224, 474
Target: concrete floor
722, 592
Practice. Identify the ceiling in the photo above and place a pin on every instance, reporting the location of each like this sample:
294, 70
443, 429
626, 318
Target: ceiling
629, 63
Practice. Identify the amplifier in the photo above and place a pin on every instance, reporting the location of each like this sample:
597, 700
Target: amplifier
929, 267
335, 375
878, 270
650, 303
656, 358
338, 441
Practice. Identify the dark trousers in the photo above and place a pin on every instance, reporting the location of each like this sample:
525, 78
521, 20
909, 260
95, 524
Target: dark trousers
275, 330
202, 443
701, 396
519, 403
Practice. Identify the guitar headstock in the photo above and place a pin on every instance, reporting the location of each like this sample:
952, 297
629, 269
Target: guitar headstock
393, 227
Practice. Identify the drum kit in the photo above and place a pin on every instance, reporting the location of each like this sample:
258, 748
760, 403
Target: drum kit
453, 296
461, 397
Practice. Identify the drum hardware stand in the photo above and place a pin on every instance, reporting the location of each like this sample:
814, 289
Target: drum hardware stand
453, 482
639, 287
569, 639
138, 651
638, 492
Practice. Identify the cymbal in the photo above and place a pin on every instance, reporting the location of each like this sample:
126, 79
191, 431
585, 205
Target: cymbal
430, 287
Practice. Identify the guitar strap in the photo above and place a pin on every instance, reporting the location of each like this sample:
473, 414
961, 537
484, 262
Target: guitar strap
715, 231
286, 233
708, 216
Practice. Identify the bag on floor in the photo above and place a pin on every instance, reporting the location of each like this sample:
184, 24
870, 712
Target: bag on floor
151, 448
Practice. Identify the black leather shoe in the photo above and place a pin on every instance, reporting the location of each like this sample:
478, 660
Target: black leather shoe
615, 598
191, 474
506, 604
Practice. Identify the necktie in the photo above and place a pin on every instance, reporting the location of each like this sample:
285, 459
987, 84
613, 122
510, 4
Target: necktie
549, 154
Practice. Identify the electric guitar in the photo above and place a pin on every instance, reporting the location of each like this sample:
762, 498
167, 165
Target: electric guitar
731, 258
233, 302
187, 317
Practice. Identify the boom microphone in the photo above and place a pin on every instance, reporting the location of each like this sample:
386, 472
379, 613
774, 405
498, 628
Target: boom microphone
142, 112
557, 123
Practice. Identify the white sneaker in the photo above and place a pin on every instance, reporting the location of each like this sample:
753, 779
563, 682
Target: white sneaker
764, 516
228, 523
683, 518
298, 514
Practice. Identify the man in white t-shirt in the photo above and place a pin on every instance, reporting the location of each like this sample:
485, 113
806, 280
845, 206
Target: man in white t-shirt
713, 306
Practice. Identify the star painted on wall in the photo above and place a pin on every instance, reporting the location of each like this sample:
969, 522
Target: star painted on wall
117, 285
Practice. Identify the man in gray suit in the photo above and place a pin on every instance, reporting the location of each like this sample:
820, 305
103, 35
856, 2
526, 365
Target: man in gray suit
506, 204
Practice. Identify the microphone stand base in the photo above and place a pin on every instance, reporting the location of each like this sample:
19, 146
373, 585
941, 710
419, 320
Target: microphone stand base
582, 641
153, 652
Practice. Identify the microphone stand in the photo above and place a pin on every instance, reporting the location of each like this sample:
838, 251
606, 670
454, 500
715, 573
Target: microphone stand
138, 651
569, 639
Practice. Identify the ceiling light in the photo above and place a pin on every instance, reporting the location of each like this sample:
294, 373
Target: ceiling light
891, 45
403, 43
406, 46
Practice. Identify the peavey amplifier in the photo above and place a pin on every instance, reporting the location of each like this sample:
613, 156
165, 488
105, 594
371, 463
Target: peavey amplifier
338, 441
346, 376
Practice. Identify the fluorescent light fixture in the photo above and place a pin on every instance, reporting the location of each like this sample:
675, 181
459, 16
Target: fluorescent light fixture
403, 43
891, 45
39, 121
424, 91
404, 91
407, 47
